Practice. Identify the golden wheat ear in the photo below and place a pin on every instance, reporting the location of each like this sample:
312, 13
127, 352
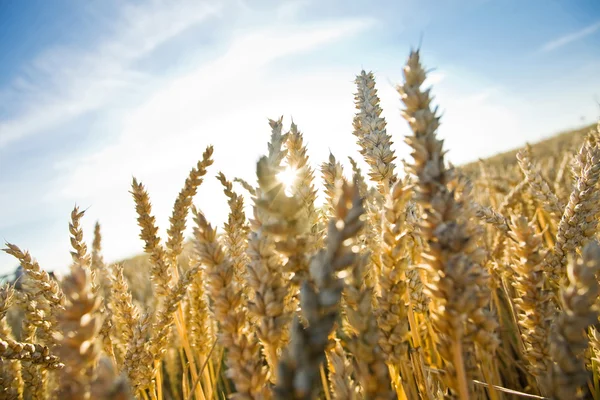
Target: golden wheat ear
270, 304
78, 338
161, 271
569, 376
452, 257
299, 366
244, 359
372, 137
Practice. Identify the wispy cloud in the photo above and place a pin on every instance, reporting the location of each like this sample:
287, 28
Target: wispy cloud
223, 101
292, 8
261, 61
200, 107
570, 38
62, 83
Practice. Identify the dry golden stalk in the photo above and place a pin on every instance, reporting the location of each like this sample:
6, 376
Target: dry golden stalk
271, 302
593, 354
99, 269
105, 334
138, 362
32, 352
161, 328
370, 129
96, 268
183, 204
332, 174
236, 229
540, 188
244, 361
358, 178
35, 381
372, 238
79, 324
249, 188
43, 301
581, 158
124, 312
371, 369
304, 190
39, 285
97, 260
457, 281
511, 198
374, 202
79, 253
569, 338
174, 373
201, 334
78, 344
580, 219
286, 224
161, 274
276, 152
7, 296
101, 285
35, 323
34, 378
11, 381
533, 301
341, 384
491, 216
392, 313
319, 299
418, 299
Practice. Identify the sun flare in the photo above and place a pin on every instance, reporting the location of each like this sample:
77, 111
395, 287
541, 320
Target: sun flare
288, 177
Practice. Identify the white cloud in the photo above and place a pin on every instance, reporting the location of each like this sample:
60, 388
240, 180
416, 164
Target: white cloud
229, 107
291, 8
63, 83
435, 78
224, 102
569, 38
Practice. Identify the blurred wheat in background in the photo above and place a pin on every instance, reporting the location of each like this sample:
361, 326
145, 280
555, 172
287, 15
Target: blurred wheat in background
414, 279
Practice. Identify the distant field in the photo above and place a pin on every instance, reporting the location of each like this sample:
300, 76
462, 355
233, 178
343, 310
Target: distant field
557, 144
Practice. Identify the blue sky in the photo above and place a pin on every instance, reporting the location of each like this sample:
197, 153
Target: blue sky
93, 93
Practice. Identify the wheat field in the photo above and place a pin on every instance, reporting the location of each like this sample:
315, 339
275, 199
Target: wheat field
414, 279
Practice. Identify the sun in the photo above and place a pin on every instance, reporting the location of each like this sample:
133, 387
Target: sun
288, 178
